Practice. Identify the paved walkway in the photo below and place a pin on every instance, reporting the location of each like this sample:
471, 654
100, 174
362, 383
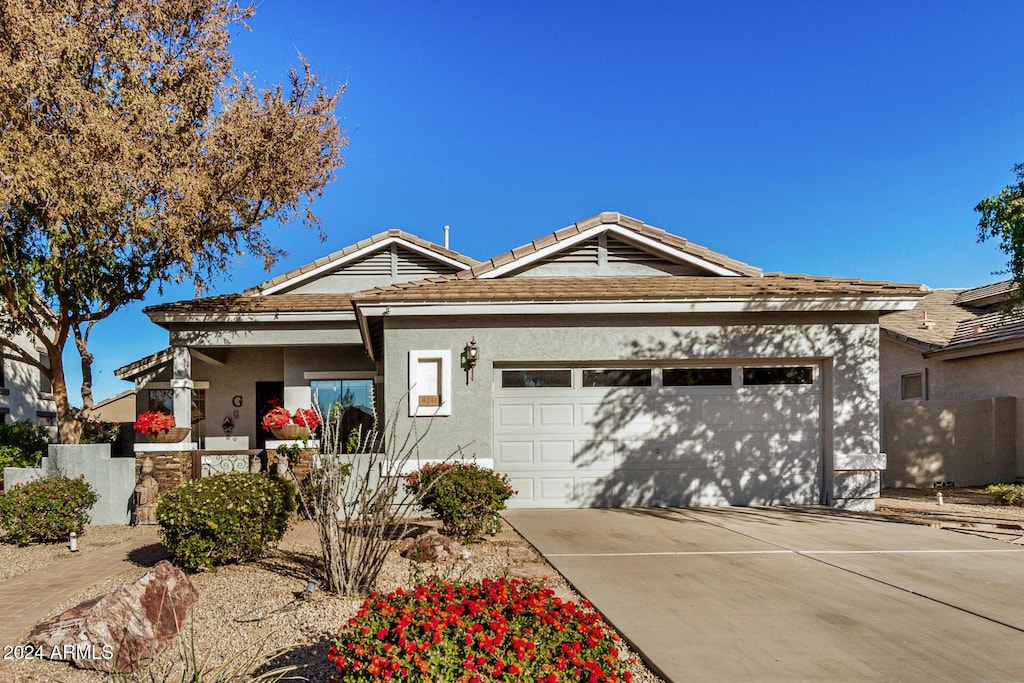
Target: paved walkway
27, 599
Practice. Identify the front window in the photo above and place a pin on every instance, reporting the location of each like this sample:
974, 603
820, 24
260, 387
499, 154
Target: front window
349, 401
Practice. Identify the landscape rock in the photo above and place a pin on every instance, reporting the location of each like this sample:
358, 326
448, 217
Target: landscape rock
433, 547
123, 630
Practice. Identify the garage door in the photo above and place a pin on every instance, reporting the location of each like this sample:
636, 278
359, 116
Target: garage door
684, 435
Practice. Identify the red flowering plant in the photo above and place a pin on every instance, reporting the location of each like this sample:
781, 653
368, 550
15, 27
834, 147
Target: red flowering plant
277, 417
493, 630
306, 418
154, 422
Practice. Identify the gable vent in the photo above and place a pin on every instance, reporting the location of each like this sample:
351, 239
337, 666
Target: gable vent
586, 253
412, 265
378, 263
621, 251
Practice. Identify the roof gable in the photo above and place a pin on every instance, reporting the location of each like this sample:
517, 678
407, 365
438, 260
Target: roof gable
610, 245
386, 257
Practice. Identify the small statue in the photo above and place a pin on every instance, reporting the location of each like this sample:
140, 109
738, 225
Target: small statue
146, 493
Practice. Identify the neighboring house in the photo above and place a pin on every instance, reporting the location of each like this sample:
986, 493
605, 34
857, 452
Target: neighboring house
617, 364
118, 408
952, 385
25, 393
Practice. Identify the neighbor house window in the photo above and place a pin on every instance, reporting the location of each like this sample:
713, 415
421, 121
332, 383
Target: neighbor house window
617, 378
535, 379
696, 377
912, 386
46, 418
778, 374
45, 387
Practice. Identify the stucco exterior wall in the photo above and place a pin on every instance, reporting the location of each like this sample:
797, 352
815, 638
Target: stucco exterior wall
846, 344
977, 377
968, 443
21, 398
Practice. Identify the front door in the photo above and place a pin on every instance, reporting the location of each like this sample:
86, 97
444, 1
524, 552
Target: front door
268, 395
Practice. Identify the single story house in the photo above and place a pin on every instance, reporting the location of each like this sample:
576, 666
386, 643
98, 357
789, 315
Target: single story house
952, 386
609, 363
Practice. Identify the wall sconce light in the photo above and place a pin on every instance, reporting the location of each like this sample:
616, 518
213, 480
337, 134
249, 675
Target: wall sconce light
228, 425
472, 352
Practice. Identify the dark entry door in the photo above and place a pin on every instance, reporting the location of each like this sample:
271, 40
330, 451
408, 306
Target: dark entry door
268, 395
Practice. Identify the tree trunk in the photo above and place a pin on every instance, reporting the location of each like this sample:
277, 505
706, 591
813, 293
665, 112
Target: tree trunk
69, 427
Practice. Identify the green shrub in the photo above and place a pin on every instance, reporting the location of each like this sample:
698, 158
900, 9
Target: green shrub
503, 630
224, 519
22, 444
465, 497
45, 510
1007, 494
100, 431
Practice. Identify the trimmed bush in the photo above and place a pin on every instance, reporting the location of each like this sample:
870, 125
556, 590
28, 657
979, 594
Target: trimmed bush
503, 630
1007, 494
224, 519
45, 510
22, 444
464, 496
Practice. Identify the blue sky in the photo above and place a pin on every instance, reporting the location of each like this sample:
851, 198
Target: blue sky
850, 139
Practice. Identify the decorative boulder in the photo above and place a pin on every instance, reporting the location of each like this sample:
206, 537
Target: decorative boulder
433, 547
123, 630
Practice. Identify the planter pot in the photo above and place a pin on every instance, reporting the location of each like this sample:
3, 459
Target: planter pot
172, 435
291, 432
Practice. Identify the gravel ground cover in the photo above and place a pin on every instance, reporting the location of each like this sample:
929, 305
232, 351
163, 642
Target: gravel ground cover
256, 608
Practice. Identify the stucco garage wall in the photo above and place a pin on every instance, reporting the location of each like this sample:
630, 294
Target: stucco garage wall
848, 343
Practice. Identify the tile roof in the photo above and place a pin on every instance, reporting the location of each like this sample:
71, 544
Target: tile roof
240, 303
943, 316
143, 364
358, 246
455, 289
994, 293
989, 328
957, 325
611, 218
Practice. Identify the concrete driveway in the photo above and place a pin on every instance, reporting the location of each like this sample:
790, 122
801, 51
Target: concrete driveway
792, 594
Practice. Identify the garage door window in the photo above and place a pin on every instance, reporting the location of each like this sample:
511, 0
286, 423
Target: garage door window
617, 378
697, 377
535, 379
780, 374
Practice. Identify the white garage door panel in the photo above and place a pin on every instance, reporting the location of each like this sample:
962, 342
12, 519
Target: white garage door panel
515, 452
579, 447
515, 415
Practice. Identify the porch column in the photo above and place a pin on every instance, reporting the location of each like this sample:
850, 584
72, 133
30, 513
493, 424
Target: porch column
181, 385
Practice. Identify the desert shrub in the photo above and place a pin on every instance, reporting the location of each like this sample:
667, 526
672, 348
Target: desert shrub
224, 519
1007, 494
317, 488
100, 431
493, 630
464, 496
45, 510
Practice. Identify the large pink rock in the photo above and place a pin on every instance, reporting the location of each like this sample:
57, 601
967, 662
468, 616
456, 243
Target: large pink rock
432, 547
123, 630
